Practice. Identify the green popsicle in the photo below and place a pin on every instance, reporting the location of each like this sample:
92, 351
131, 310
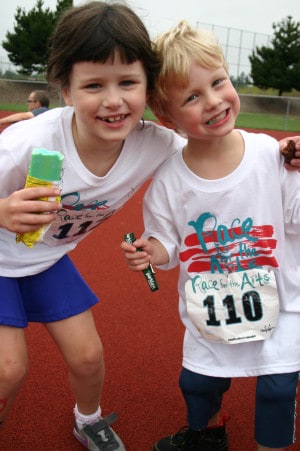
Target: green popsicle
46, 164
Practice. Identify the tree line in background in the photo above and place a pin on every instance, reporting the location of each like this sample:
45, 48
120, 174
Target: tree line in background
276, 66
27, 46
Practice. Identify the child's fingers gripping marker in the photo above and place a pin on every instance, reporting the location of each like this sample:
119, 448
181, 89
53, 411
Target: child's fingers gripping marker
148, 272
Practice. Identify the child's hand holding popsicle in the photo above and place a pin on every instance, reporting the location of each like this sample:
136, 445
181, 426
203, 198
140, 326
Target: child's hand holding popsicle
19, 211
44, 174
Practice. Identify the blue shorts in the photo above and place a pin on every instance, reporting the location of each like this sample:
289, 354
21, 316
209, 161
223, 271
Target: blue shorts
275, 409
52, 295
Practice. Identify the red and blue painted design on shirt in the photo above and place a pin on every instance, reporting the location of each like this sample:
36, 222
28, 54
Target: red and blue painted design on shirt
217, 248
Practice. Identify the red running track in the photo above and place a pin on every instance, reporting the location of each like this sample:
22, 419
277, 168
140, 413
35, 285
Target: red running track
142, 338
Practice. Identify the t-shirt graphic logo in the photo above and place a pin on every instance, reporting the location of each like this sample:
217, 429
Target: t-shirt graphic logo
217, 248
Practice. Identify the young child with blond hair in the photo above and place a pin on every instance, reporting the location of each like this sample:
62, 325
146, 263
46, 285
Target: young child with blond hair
228, 213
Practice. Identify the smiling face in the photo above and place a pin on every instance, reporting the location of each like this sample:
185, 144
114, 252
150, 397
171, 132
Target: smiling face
108, 99
207, 106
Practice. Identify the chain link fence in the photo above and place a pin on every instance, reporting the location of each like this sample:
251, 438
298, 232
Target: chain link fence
236, 43
279, 113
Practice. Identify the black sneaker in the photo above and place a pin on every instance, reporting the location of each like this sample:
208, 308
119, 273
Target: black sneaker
210, 439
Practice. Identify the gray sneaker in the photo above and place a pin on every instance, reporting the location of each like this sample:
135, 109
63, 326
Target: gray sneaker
99, 436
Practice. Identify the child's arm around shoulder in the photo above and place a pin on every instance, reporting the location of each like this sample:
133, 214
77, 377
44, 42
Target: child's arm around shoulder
295, 162
151, 250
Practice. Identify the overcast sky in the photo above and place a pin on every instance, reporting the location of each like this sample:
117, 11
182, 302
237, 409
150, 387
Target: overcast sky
255, 15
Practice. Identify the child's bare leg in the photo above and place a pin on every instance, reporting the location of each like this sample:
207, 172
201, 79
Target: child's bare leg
264, 448
81, 347
13, 366
215, 420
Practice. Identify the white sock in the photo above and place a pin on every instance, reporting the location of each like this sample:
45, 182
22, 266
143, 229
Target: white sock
82, 420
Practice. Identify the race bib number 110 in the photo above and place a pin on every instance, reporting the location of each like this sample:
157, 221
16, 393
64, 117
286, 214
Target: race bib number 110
234, 308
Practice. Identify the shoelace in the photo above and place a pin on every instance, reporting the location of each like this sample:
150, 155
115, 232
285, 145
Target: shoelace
100, 431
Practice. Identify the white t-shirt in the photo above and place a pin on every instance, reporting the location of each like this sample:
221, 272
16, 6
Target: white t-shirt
245, 223
87, 200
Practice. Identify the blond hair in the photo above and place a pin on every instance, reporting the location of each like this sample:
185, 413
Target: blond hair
175, 49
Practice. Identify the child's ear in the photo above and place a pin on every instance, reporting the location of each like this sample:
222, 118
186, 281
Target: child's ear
66, 96
166, 121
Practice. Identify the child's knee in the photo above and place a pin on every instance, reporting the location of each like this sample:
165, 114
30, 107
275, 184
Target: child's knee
13, 373
89, 362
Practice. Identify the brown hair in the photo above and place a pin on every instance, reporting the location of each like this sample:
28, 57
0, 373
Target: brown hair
42, 97
94, 32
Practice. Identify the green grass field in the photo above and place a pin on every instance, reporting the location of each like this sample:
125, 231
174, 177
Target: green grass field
268, 122
245, 120
259, 121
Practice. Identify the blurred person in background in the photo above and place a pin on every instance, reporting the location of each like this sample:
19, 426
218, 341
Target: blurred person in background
38, 102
